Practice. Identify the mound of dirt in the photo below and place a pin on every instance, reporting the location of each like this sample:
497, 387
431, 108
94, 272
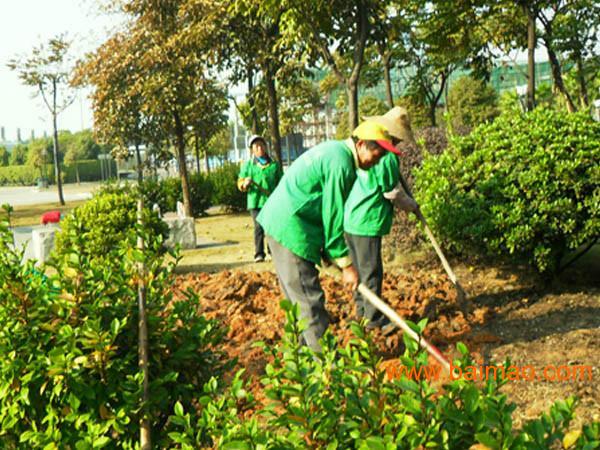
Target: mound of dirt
248, 304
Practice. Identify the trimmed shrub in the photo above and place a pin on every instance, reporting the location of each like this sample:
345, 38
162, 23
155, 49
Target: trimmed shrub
525, 186
100, 228
27, 175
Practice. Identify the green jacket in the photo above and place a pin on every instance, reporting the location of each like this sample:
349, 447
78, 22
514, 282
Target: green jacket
266, 177
367, 212
305, 214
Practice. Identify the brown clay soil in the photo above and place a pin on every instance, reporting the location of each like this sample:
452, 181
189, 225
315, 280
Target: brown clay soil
515, 314
512, 317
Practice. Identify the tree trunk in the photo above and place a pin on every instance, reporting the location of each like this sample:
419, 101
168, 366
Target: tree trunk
183, 174
583, 94
531, 44
386, 57
138, 159
251, 102
352, 94
57, 174
273, 112
362, 29
196, 147
431, 114
206, 165
558, 79
77, 173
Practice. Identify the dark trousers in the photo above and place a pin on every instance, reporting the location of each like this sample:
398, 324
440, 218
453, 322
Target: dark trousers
299, 279
365, 252
259, 235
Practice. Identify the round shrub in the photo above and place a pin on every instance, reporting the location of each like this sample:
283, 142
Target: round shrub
104, 224
526, 185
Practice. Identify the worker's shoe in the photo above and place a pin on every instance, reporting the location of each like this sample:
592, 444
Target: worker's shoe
388, 329
259, 259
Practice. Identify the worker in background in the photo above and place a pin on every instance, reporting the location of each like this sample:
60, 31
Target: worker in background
369, 211
258, 177
304, 219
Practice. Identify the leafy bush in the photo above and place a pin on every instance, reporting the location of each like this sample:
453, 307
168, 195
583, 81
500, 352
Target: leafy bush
405, 235
341, 399
472, 102
224, 188
166, 193
69, 375
102, 227
526, 185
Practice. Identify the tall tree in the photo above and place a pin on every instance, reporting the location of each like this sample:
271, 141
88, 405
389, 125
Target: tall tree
47, 70
331, 32
245, 39
114, 74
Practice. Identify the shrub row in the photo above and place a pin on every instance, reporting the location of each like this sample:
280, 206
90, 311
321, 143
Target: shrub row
89, 170
216, 188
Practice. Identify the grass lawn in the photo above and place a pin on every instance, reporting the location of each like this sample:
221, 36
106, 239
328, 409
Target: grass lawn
28, 215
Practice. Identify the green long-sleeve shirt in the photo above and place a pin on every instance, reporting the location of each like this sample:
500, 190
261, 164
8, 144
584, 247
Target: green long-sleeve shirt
305, 214
367, 212
266, 176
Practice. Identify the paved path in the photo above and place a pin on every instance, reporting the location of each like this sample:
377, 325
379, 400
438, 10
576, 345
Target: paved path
29, 195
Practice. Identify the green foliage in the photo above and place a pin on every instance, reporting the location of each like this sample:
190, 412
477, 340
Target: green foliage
166, 193
367, 106
4, 156
224, 188
472, 102
341, 399
219, 187
69, 375
526, 186
417, 110
24, 175
18, 155
103, 226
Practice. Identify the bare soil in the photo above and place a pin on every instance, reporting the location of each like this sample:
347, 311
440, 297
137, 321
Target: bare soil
515, 314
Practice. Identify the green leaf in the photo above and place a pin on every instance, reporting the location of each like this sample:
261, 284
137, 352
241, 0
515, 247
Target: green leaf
178, 409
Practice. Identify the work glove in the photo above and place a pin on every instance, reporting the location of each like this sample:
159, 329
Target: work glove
401, 200
244, 184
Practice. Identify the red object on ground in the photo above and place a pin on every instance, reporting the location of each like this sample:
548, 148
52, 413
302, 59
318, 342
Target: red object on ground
51, 217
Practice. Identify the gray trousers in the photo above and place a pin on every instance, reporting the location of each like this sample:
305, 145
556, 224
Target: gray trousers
299, 279
365, 252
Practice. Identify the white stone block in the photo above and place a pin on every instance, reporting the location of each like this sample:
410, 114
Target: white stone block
182, 231
42, 241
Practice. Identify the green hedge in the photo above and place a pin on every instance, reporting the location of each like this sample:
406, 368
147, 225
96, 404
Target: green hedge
89, 170
526, 186
217, 188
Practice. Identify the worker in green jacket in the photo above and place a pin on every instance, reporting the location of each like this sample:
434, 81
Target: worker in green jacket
304, 219
369, 212
258, 177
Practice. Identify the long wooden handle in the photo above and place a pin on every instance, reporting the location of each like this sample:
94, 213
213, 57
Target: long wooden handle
394, 317
433, 241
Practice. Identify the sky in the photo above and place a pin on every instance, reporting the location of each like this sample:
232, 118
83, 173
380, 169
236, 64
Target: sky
27, 24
